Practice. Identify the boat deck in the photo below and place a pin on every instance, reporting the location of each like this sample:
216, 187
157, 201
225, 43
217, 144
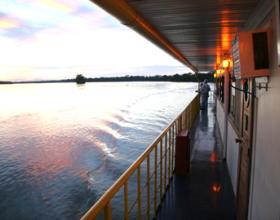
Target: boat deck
206, 192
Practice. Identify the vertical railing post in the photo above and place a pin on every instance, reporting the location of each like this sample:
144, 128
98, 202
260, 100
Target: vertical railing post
155, 183
197, 105
139, 192
177, 128
108, 211
160, 171
169, 154
181, 122
184, 120
125, 201
148, 186
165, 161
191, 116
173, 146
187, 118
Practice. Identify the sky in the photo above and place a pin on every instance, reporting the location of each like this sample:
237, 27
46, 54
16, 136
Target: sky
58, 39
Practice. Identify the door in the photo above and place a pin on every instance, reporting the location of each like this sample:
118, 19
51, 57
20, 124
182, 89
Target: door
245, 150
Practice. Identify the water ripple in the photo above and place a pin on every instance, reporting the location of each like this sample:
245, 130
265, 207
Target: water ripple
60, 153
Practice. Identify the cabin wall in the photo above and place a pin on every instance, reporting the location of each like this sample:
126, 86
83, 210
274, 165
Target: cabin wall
264, 202
228, 135
265, 176
232, 156
232, 151
220, 119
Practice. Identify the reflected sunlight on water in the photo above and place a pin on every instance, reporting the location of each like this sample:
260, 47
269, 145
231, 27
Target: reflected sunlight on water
62, 145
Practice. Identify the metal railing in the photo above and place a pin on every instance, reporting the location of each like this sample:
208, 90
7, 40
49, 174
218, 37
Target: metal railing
153, 168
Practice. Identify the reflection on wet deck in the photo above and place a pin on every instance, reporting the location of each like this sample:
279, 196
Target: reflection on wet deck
206, 193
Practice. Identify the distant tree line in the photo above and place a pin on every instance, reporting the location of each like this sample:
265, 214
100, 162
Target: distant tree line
187, 77
5, 82
80, 79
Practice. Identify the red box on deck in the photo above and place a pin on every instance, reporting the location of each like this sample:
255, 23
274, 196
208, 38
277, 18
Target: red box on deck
182, 153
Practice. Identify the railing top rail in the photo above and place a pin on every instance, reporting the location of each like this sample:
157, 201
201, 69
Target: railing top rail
109, 193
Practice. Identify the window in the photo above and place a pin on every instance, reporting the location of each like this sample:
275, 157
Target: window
235, 102
220, 89
232, 99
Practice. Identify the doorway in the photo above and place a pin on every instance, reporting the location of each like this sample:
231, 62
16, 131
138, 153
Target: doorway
245, 148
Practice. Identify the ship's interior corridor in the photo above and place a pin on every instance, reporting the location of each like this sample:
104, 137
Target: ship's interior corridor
206, 192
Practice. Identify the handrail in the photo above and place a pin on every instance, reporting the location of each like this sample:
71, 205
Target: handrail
183, 121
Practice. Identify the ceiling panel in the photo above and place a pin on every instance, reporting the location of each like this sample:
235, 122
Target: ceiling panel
201, 30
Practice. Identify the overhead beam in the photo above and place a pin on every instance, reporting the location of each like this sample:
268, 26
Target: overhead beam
128, 16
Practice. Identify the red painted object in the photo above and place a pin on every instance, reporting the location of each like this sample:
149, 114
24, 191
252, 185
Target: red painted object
182, 153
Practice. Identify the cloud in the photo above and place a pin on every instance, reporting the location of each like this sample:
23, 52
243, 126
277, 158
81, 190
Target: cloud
8, 23
24, 18
60, 38
62, 6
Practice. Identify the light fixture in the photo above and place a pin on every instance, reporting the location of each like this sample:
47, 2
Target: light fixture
226, 63
219, 71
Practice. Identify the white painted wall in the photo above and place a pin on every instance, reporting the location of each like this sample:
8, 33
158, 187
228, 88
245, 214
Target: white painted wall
265, 179
221, 119
265, 172
232, 156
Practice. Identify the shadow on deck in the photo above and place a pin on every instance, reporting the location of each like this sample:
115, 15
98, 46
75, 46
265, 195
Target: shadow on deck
206, 192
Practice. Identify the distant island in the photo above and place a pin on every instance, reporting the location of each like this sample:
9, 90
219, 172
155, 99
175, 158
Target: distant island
80, 79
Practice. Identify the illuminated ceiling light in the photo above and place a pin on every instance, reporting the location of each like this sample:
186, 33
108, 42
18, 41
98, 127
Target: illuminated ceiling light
220, 72
225, 63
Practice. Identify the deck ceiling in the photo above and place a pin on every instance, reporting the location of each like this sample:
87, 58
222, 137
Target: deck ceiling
201, 30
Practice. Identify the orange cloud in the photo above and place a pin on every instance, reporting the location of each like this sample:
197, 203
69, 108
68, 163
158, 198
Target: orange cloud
59, 5
8, 23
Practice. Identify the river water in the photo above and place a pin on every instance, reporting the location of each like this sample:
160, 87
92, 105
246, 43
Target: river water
62, 145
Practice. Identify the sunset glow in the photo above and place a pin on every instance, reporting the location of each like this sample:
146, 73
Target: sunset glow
6, 23
57, 39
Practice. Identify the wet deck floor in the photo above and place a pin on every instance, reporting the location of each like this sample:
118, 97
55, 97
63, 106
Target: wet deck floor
206, 192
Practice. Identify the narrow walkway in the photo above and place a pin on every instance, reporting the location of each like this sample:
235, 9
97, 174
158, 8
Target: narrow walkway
205, 193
